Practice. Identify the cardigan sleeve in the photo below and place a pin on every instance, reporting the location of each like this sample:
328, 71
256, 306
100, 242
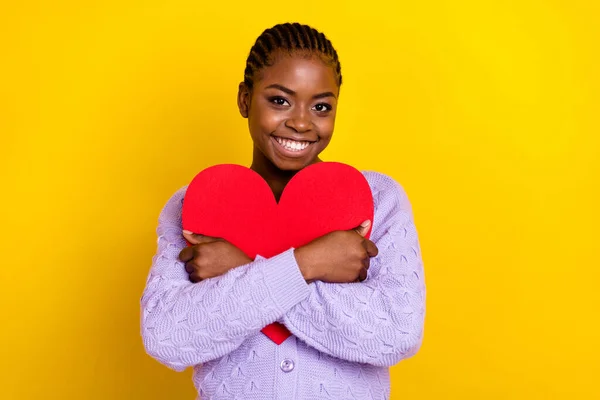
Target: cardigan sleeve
378, 321
185, 324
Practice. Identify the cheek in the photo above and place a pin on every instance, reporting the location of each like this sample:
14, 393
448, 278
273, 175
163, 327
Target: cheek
266, 120
325, 127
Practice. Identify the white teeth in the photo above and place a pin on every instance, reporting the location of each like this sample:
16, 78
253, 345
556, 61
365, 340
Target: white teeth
292, 145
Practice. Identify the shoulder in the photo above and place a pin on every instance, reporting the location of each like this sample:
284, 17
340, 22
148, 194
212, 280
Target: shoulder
171, 211
387, 192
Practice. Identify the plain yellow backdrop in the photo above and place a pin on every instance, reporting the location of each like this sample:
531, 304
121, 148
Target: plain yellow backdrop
485, 111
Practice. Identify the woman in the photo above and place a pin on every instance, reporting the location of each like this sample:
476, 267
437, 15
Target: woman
354, 306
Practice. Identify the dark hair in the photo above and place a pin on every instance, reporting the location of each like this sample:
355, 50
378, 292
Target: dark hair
289, 38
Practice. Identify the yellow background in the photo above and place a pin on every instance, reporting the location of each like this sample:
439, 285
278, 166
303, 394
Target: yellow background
485, 111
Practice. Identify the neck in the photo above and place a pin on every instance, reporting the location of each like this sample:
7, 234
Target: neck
276, 178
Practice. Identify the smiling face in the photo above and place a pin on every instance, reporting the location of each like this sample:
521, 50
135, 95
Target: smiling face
291, 111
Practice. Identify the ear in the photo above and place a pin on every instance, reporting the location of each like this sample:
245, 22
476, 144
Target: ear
243, 99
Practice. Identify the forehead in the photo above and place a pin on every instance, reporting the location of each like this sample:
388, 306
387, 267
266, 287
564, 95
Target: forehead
299, 73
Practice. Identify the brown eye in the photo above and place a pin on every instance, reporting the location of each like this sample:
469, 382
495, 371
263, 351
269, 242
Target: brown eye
322, 107
280, 101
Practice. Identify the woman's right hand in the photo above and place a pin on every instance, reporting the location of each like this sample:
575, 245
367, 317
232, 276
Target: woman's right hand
338, 257
208, 257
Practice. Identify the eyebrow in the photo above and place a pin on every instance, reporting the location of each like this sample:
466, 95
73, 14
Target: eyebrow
292, 93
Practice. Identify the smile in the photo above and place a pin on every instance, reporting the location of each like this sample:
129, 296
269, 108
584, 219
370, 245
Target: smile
293, 146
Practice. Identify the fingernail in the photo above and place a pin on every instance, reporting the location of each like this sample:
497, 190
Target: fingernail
188, 232
365, 224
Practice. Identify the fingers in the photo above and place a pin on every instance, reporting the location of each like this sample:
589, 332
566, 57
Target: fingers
194, 238
372, 250
366, 262
193, 272
189, 267
362, 275
186, 254
189, 254
363, 228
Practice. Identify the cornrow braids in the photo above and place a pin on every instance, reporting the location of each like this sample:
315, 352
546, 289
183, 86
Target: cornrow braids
289, 38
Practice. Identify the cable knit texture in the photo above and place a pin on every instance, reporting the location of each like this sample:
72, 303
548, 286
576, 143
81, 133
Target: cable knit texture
345, 336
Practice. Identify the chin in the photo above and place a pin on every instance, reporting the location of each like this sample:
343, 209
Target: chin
291, 166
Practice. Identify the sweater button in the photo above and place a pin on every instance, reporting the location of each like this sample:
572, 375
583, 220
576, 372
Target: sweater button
287, 365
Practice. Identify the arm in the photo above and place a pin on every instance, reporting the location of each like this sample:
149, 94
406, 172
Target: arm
185, 323
378, 321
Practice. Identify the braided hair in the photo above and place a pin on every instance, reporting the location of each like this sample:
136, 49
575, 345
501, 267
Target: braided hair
290, 38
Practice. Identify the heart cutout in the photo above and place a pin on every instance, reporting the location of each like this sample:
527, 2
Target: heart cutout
235, 203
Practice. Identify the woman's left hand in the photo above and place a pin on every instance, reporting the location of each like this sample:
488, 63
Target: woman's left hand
208, 257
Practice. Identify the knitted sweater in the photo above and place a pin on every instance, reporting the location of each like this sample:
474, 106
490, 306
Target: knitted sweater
344, 336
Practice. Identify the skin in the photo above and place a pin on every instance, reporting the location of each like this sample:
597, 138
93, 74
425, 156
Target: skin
295, 98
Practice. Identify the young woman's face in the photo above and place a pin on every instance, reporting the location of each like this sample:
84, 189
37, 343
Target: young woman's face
291, 111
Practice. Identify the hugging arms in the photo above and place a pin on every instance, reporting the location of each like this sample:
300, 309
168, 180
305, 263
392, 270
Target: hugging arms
378, 321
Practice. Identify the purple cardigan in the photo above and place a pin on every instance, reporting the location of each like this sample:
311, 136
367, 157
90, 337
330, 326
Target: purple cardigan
344, 336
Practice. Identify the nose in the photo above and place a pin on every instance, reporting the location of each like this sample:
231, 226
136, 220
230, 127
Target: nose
299, 121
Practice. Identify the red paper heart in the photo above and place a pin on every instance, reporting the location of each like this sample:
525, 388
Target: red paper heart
235, 203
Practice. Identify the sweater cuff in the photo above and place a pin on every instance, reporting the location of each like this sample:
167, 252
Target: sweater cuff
286, 284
